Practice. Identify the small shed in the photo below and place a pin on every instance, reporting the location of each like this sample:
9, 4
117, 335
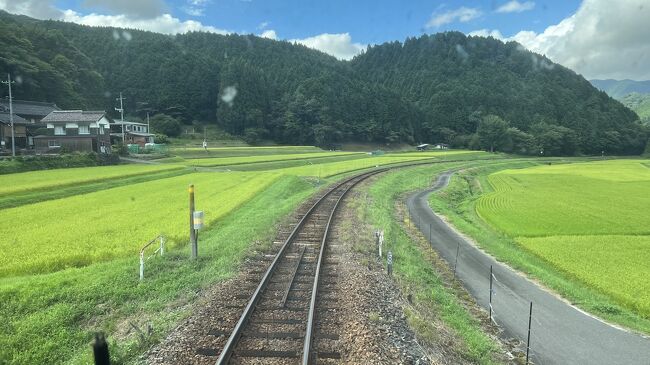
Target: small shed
441, 146
422, 147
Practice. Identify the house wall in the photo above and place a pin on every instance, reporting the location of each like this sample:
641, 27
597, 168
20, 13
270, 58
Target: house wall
140, 140
77, 144
19, 130
20, 136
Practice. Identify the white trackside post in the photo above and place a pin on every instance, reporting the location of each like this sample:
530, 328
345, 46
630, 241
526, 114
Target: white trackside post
141, 265
162, 245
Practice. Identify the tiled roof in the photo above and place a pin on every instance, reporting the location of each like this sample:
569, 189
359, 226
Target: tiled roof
4, 118
73, 116
28, 108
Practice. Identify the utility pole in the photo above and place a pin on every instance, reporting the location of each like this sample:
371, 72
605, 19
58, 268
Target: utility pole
11, 116
149, 128
121, 110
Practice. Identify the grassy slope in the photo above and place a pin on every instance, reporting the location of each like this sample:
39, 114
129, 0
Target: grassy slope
415, 273
458, 202
640, 103
48, 319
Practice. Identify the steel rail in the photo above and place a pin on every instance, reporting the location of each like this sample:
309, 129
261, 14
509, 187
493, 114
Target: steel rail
306, 352
236, 334
230, 345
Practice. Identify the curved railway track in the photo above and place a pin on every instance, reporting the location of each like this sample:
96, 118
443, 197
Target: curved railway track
282, 320
291, 315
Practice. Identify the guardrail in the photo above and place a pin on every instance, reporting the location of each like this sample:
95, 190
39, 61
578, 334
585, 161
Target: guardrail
161, 249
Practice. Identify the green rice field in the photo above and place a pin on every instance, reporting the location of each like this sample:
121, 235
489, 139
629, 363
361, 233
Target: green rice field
239, 160
69, 266
589, 220
106, 222
212, 152
37, 180
112, 223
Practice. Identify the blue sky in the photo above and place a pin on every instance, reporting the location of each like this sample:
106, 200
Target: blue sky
596, 38
367, 22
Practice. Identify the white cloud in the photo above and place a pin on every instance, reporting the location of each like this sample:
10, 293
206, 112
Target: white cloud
515, 6
603, 39
270, 34
263, 25
189, 10
162, 24
487, 33
338, 45
195, 7
462, 14
40, 9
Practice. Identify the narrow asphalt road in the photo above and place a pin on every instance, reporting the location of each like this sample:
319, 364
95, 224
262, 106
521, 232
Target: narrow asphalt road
561, 334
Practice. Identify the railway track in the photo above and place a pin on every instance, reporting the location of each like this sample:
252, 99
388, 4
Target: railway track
290, 317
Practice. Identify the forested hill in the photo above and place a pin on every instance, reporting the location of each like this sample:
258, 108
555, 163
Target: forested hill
620, 88
429, 89
455, 79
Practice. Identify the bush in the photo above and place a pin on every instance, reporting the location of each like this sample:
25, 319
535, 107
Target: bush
160, 138
253, 136
165, 124
121, 149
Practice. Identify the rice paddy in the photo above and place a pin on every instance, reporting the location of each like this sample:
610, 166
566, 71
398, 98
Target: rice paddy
590, 220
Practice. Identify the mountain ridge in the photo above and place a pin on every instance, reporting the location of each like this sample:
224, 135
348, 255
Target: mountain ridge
620, 88
430, 88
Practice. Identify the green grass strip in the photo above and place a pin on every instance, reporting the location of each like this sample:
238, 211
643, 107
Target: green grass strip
415, 272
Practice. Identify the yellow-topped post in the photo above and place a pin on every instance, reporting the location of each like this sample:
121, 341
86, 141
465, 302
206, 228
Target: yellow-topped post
193, 243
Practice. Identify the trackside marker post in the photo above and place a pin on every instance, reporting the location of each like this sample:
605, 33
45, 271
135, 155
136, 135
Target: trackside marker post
491, 294
193, 243
456, 262
389, 260
530, 317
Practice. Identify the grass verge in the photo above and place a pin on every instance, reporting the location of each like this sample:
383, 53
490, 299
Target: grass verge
433, 299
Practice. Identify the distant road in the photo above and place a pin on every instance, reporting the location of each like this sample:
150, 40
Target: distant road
561, 334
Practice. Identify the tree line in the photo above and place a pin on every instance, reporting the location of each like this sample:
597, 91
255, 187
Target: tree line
434, 88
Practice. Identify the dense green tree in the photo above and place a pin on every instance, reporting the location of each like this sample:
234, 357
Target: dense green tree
492, 132
165, 124
554, 140
519, 142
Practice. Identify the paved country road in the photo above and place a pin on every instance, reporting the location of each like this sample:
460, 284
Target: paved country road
561, 334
